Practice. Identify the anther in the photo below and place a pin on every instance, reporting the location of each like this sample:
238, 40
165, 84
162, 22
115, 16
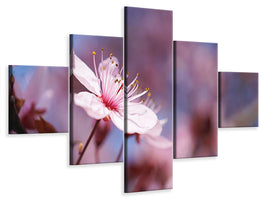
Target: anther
80, 147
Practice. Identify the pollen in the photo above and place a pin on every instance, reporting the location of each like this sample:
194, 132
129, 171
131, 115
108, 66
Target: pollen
111, 55
94, 53
137, 82
117, 65
149, 94
137, 74
146, 89
80, 147
112, 62
102, 49
104, 68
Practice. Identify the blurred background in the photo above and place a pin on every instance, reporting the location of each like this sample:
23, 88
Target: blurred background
196, 99
40, 96
108, 140
148, 36
238, 99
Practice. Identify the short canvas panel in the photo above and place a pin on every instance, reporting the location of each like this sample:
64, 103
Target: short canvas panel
38, 99
196, 101
238, 99
96, 136
148, 130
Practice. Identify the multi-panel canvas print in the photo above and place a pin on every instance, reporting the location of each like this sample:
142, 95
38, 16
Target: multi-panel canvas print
195, 86
148, 106
142, 99
38, 99
238, 99
96, 109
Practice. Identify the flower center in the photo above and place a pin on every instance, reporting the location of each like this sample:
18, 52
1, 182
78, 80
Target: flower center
109, 104
110, 80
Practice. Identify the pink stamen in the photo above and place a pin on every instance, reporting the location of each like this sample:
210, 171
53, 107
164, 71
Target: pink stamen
156, 110
119, 89
137, 96
102, 55
133, 81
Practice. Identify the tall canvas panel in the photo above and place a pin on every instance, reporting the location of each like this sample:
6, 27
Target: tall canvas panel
148, 103
195, 65
96, 136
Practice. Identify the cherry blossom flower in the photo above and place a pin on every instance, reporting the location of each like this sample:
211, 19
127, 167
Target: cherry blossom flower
105, 99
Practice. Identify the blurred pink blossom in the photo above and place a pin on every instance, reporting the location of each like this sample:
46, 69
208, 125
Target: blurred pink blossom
42, 96
150, 170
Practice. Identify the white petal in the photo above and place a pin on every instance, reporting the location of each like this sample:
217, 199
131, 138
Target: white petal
91, 104
156, 130
157, 141
85, 75
140, 118
118, 119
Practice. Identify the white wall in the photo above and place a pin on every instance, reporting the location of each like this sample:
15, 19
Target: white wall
36, 167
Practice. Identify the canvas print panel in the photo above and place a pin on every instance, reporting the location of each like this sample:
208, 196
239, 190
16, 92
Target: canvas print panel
148, 131
96, 135
38, 99
195, 99
238, 103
